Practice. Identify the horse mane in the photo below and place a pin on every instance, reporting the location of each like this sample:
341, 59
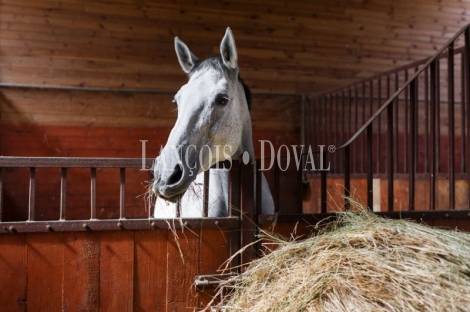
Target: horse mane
215, 62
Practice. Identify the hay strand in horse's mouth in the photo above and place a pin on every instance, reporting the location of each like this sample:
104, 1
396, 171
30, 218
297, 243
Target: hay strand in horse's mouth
361, 262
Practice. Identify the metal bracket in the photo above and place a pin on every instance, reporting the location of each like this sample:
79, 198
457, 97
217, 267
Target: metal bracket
211, 281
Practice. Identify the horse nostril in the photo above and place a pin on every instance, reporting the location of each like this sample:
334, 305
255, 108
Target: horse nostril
176, 176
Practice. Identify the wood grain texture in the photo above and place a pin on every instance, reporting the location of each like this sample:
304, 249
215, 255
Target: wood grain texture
182, 266
150, 275
45, 254
81, 272
13, 272
294, 47
116, 271
214, 251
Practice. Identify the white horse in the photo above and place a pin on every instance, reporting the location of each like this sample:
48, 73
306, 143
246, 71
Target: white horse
213, 125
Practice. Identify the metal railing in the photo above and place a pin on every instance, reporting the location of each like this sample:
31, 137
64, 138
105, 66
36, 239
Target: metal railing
422, 128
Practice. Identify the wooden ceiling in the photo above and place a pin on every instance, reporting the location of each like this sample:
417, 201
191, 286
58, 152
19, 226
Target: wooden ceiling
285, 47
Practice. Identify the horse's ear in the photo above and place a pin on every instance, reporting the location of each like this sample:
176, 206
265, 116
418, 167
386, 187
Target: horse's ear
185, 57
228, 50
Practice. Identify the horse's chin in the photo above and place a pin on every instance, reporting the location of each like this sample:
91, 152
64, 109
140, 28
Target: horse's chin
173, 199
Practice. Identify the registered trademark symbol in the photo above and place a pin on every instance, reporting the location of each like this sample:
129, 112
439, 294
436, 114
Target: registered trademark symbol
331, 148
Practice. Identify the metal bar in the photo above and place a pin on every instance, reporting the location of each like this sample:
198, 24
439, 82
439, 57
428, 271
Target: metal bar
32, 194
1, 194
70, 162
363, 121
356, 126
349, 114
206, 194
438, 118
330, 133
122, 193
343, 128
379, 132
323, 192
259, 185
63, 193
277, 189
93, 194
462, 107
150, 198
247, 217
234, 210
467, 93
426, 120
370, 193
337, 142
432, 142
397, 125
371, 112
407, 115
231, 223
451, 125
413, 142
347, 177
390, 153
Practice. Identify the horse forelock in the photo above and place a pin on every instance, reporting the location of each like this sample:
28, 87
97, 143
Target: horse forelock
216, 63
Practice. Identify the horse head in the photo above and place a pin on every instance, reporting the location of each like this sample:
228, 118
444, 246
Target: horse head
213, 122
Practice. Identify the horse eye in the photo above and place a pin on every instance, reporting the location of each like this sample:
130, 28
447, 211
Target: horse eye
222, 100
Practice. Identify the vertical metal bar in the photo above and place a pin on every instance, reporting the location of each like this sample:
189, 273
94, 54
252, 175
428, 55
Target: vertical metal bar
303, 121
370, 202
413, 142
300, 185
438, 117
234, 209
356, 126
259, 199
122, 193
1, 194
379, 131
432, 142
248, 223
467, 93
337, 140
462, 107
390, 152
63, 193
277, 189
93, 193
426, 120
389, 124
363, 154
330, 131
407, 115
150, 201
205, 204
349, 114
343, 122
32, 194
347, 177
371, 112
323, 193
451, 124
397, 125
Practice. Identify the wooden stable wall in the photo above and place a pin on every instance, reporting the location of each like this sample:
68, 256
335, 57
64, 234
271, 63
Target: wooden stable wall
283, 47
149, 270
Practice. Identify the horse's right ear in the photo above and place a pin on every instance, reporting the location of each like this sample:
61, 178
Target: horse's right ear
185, 57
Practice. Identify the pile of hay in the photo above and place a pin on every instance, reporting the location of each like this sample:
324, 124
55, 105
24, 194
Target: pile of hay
361, 262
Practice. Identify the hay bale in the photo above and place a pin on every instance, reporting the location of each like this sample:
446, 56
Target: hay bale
361, 262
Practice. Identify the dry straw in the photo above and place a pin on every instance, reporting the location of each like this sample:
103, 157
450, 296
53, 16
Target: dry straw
360, 262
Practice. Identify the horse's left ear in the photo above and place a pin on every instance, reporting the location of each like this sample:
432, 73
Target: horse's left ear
228, 50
